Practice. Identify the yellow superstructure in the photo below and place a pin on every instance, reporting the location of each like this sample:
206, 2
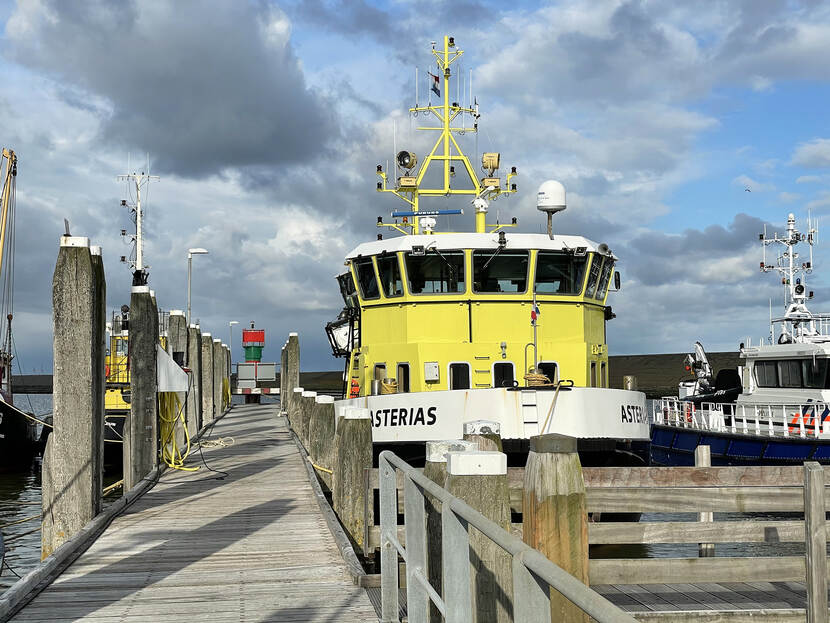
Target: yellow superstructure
444, 311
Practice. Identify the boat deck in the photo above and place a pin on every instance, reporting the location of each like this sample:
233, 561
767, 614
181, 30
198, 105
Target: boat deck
252, 546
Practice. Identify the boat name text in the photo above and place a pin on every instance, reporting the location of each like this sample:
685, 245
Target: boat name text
405, 417
633, 414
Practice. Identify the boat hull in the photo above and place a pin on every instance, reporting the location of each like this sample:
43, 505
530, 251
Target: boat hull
675, 446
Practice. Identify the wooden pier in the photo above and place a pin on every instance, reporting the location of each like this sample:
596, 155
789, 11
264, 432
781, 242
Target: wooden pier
250, 546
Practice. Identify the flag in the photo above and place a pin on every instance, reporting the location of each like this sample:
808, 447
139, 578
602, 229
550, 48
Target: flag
534, 312
435, 88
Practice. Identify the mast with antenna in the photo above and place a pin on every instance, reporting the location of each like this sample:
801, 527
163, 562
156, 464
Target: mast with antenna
139, 180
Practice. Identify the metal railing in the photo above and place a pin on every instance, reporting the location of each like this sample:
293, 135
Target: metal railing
533, 574
767, 420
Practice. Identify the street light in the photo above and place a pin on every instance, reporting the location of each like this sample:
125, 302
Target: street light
230, 336
190, 254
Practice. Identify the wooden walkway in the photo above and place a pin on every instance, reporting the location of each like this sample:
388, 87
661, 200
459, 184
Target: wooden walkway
250, 547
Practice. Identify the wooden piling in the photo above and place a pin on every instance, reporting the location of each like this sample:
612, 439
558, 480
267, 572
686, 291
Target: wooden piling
99, 389
487, 433
306, 409
218, 374
703, 458
555, 520
337, 463
283, 390
207, 378
72, 461
435, 468
480, 479
321, 437
292, 369
354, 454
293, 405
177, 347
194, 364
141, 432
815, 531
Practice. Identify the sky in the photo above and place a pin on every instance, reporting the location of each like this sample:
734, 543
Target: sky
679, 130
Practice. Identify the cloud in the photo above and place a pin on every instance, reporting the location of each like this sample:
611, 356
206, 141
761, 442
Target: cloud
814, 154
201, 90
808, 179
788, 197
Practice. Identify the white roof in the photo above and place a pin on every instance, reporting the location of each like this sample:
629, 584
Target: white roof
471, 241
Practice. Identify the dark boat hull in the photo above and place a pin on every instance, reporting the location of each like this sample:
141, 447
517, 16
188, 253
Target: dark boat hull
675, 446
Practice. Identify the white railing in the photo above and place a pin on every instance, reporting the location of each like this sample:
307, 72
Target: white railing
810, 419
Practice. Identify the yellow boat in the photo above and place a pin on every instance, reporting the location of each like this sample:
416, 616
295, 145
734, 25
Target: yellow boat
442, 328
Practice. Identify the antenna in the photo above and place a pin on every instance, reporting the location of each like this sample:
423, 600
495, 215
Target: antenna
139, 180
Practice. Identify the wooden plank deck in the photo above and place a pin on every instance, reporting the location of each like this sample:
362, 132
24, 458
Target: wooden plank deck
250, 547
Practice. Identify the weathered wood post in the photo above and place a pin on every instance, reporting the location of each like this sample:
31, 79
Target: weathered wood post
337, 463
486, 433
321, 436
207, 378
283, 390
294, 405
354, 455
703, 458
100, 378
555, 520
73, 459
141, 433
218, 374
480, 479
292, 370
177, 347
815, 532
435, 468
194, 363
307, 403
226, 382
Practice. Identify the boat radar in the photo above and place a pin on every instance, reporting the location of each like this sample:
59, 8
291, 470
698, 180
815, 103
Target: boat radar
550, 199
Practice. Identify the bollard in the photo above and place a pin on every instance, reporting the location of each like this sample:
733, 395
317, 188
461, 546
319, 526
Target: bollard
486, 433
294, 409
141, 432
218, 373
480, 479
292, 367
207, 378
306, 408
703, 458
630, 383
73, 459
354, 456
555, 520
336, 475
321, 437
194, 396
435, 468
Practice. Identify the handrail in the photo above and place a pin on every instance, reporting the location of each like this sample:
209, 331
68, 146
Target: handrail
531, 570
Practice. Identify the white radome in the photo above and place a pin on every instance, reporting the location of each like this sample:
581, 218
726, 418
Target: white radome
551, 197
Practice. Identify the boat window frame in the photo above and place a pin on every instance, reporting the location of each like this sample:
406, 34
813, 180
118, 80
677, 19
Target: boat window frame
450, 375
502, 362
498, 254
589, 292
593, 374
557, 369
565, 252
797, 367
463, 253
385, 256
371, 260
774, 364
603, 374
403, 365
605, 274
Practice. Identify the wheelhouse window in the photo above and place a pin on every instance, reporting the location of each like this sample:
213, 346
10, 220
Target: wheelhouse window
605, 278
390, 275
766, 374
503, 374
559, 272
814, 373
495, 271
366, 279
789, 373
550, 369
403, 377
347, 290
593, 275
459, 376
436, 272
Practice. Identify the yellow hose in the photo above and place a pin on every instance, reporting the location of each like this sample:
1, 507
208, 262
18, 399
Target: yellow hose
170, 414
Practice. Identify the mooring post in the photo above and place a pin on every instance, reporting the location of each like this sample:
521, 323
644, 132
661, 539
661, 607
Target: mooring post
337, 463
283, 391
194, 364
354, 452
292, 370
218, 373
294, 405
480, 479
307, 403
100, 379
72, 460
141, 434
435, 468
554, 516
815, 532
207, 378
177, 347
703, 458
487, 433
321, 434
226, 383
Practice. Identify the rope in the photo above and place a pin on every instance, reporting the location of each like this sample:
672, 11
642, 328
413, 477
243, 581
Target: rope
320, 467
221, 442
536, 379
113, 487
552, 407
388, 386
19, 521
32, 417
170, 413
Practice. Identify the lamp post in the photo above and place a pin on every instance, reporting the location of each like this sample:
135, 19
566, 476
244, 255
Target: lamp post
190, 254
230, 337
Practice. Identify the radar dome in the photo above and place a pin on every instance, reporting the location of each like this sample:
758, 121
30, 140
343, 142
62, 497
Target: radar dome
551, 197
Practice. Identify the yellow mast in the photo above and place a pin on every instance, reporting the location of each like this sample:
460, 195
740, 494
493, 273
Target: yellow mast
8, 181
446, 151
